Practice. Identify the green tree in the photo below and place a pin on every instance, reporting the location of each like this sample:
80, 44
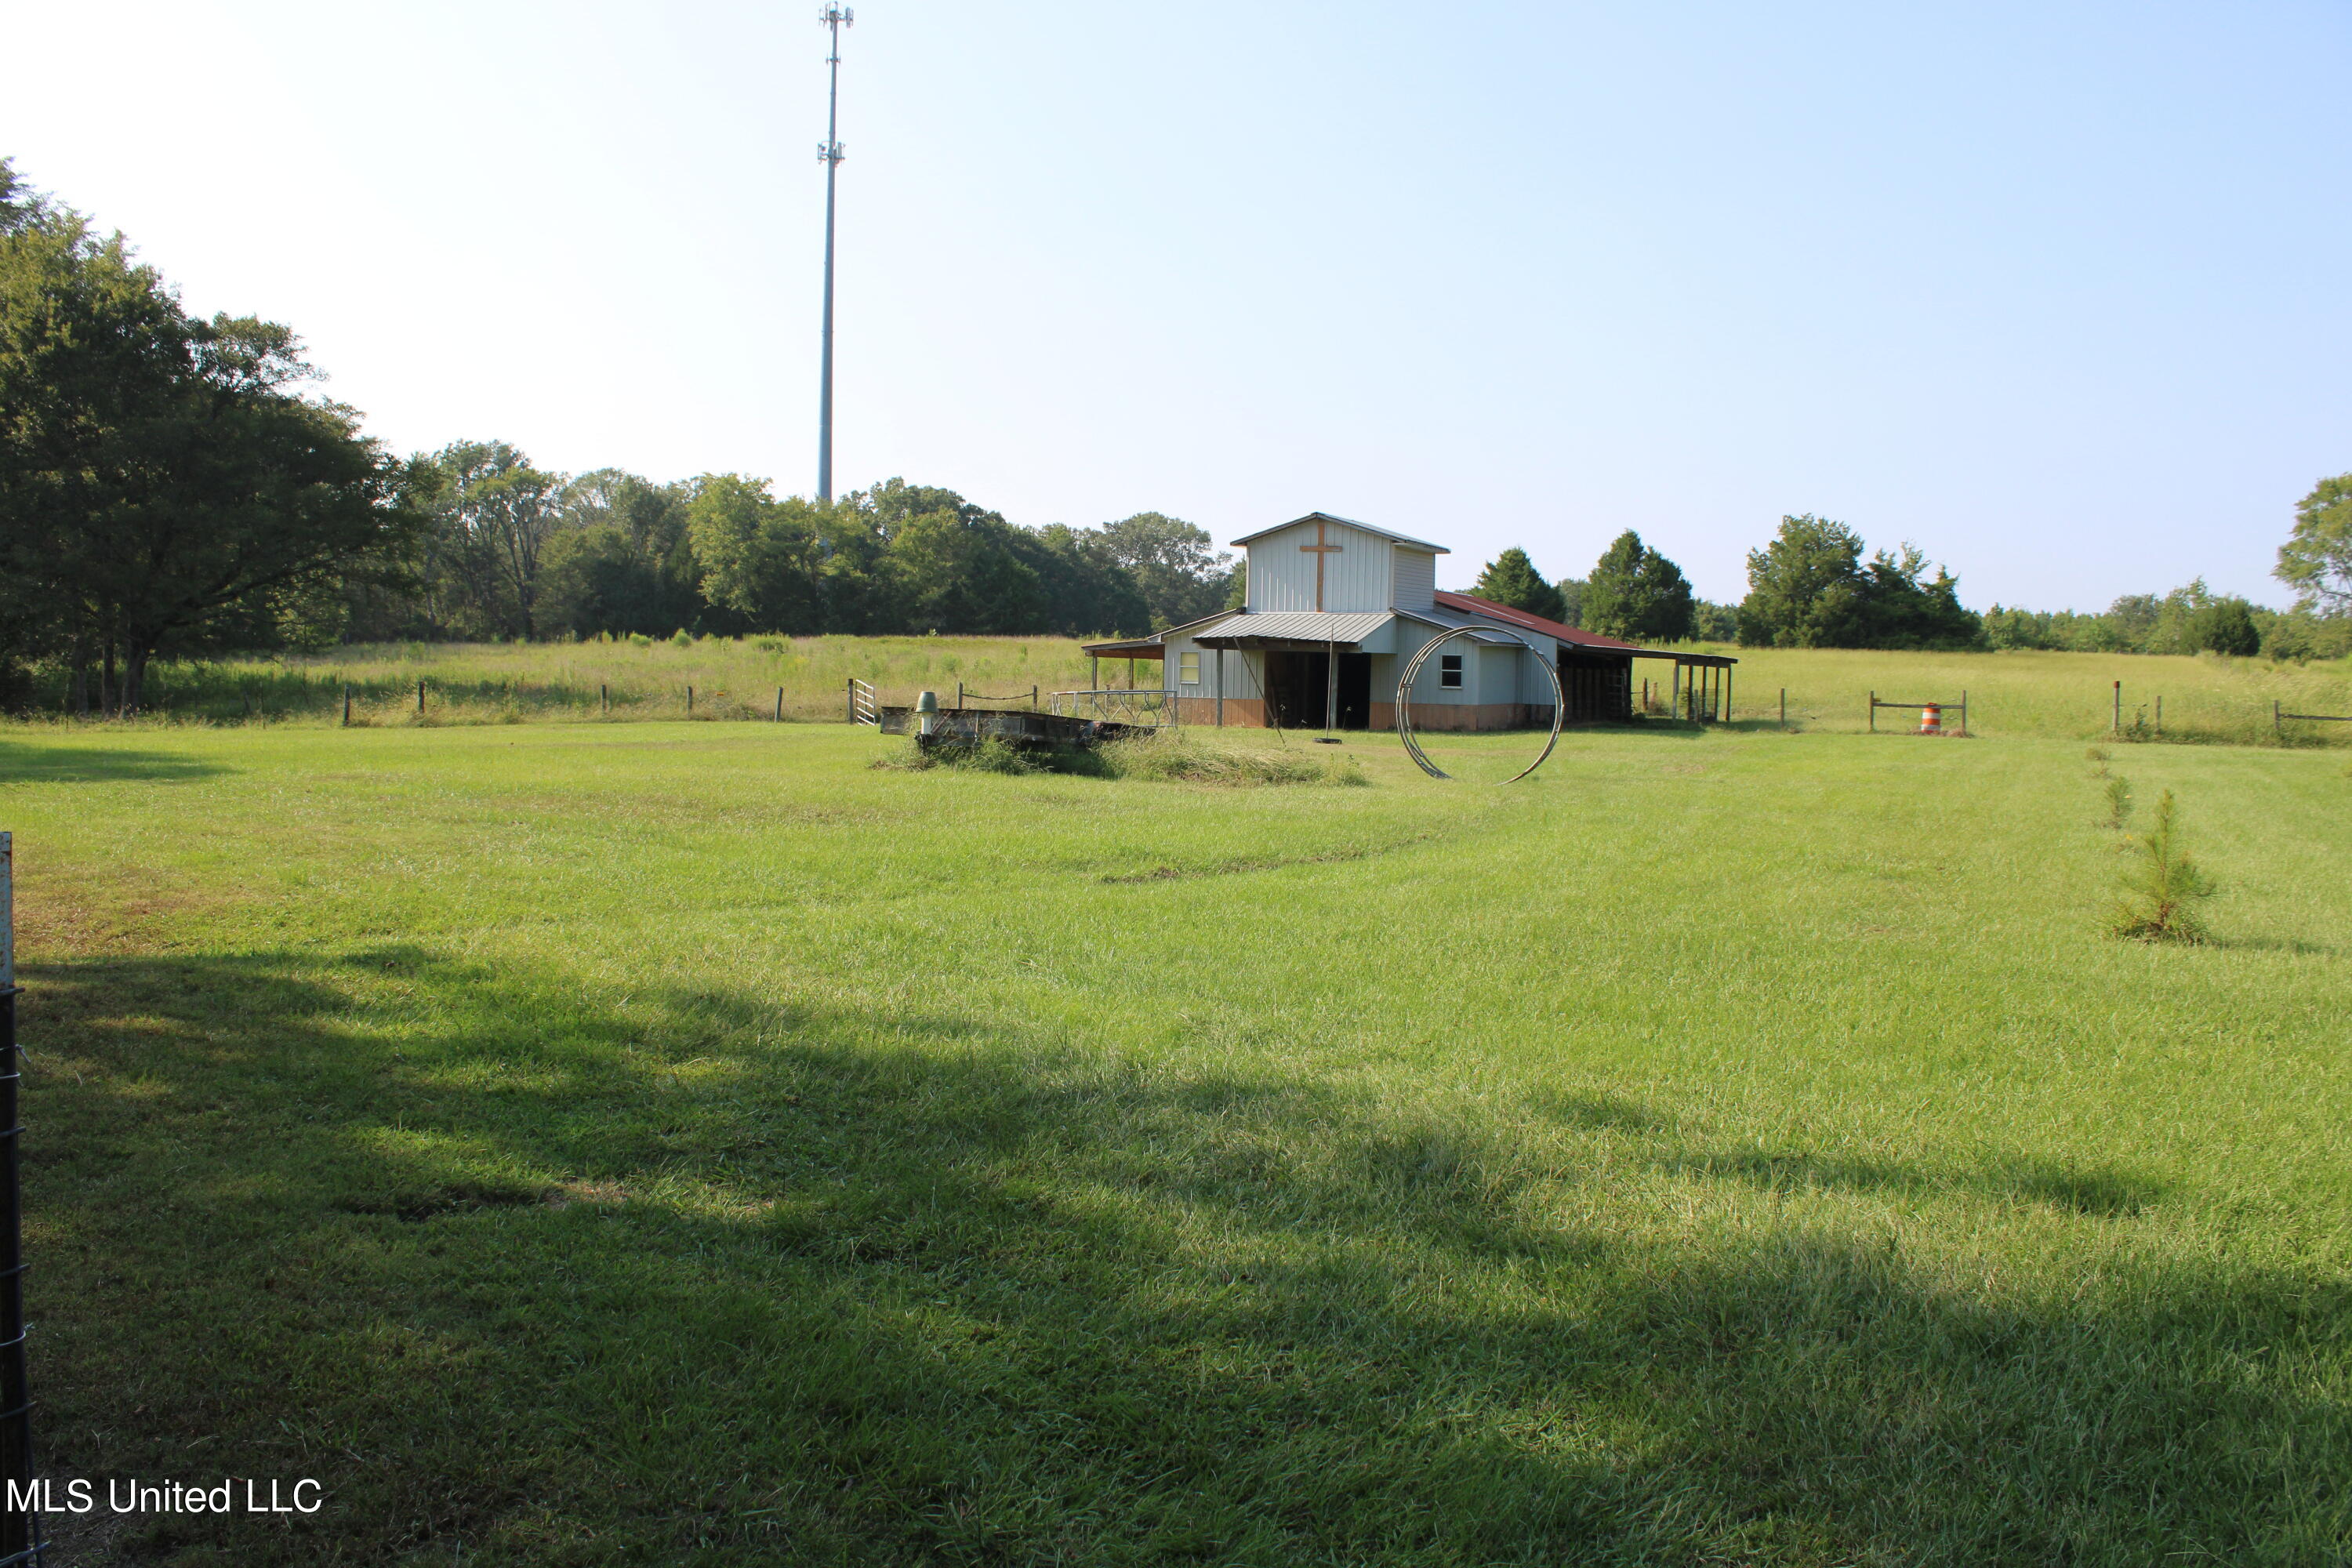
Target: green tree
651, 589
952, 564
1809, 588
2227, 625
162, 478
492, 514
1636, 592
1511, 579
757, 556
1084, 588
1796, 580
1175, 565
2316, 559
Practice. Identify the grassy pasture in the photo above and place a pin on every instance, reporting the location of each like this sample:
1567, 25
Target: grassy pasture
585, 1145
2051, 695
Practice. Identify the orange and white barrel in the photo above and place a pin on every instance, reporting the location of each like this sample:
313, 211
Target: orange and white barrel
1931, 719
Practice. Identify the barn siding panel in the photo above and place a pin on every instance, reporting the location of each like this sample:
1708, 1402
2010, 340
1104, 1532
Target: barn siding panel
1282, 575
1415, 579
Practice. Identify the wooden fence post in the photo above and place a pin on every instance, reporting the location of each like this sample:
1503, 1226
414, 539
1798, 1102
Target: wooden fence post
780, 704
689, 701
1873, 712
2118, 725
347, 704
1784, 708
2160, 718
420, 697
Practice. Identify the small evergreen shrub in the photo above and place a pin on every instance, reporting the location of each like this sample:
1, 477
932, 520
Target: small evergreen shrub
2161, 889
2119, 801
683, 640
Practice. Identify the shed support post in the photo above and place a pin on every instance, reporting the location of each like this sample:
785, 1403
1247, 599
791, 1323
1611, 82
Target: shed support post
1331, 687
1221, 689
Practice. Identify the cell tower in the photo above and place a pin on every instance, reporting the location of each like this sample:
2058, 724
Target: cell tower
835, 17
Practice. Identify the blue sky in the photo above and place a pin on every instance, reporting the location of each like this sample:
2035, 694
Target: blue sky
2056, 291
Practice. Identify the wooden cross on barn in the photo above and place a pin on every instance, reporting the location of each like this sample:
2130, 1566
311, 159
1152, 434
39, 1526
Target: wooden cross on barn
1318, 549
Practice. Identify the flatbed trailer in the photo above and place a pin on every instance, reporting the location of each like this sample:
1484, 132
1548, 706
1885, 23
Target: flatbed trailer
1015, 727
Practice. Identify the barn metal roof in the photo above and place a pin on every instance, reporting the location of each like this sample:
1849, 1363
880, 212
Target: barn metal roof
1351, 522
1487, 609
1298, 625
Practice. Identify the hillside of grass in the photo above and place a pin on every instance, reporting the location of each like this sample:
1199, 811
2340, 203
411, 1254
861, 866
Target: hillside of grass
582, 1144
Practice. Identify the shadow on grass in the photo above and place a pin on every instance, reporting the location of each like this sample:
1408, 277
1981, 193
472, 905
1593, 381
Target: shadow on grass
2087, 1192
523, 1268
21, 763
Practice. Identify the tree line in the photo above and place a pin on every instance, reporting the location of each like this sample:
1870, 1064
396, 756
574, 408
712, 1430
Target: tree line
172, 485
1813, 586
509, 550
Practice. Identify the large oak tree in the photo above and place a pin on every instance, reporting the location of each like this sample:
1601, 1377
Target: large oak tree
161, 475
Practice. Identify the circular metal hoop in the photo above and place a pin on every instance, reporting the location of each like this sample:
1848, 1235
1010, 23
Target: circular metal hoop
1413, 669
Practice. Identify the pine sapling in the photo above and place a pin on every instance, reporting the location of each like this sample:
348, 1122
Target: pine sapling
2163, 886
2119, 801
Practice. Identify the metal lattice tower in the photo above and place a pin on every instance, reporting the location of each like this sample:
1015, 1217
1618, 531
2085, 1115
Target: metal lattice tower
835, 17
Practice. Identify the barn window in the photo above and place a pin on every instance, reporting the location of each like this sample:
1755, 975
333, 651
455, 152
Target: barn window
1188, 669
1449, 671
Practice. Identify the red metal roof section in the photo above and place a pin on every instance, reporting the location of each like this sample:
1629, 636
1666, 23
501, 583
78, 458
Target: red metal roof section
1469, 605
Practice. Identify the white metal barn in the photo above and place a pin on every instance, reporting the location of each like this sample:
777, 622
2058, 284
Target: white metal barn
1336, 608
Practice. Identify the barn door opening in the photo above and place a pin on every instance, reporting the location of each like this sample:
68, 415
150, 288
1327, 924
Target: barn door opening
1355, 691
1298, 694
1294, 690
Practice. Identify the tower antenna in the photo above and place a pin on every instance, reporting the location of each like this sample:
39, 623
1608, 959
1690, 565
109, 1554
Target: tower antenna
835, 17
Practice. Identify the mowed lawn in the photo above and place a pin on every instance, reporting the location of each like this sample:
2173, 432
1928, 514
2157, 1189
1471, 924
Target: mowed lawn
590, 1145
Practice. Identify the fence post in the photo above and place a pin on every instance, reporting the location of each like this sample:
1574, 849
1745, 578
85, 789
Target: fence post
689, 701
2277, 729
347, 704
1964, 712
1873, 712
20, 1529
420, 697
2118, 726
2160, 718
780, 704
1784, 708
958, 696
849, 696
1033, 698
605, 695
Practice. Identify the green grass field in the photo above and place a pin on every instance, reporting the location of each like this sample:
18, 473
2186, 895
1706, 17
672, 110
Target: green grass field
2049, 695
590, 1144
